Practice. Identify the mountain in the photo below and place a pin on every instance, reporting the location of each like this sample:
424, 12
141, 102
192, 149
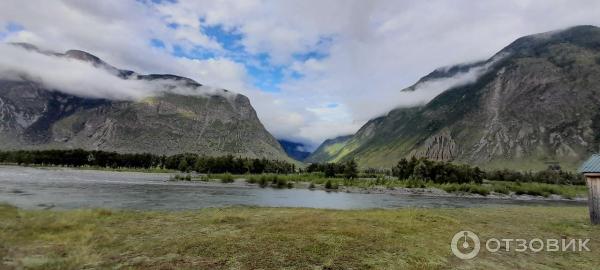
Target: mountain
35, 117
294, 150
328, 150
537, 101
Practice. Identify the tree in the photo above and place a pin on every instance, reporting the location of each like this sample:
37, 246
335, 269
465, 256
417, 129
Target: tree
350, 169
421, 171
183, 165
402, 169
200, 165
330, 170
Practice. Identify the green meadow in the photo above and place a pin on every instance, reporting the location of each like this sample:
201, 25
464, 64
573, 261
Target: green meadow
285, 238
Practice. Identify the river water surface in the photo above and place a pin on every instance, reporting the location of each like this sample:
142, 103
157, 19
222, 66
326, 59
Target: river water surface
36, 188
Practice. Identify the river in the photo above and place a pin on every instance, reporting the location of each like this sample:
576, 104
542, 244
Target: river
60, 188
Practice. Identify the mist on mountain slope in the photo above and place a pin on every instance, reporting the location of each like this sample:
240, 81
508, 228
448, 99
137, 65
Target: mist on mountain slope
426, 90
85, 79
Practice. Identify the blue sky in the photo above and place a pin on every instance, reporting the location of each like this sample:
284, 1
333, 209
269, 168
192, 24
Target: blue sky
10, 27
264, 74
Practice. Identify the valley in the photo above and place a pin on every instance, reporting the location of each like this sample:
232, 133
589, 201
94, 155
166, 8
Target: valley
299, 135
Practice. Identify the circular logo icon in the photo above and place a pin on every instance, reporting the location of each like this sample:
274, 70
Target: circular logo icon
465, 245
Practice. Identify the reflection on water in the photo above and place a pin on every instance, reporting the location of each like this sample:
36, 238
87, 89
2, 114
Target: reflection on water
66, 189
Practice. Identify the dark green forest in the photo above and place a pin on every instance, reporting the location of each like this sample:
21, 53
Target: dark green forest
181, 162
440, 172
446, 172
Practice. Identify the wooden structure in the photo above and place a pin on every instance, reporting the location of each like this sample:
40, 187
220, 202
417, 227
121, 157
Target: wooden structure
591, 170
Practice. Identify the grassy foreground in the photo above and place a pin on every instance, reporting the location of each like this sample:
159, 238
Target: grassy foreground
276, 238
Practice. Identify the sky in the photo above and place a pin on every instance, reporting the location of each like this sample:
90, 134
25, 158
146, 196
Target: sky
312, 69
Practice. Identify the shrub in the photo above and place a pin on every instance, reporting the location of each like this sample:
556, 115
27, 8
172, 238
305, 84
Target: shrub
274, 179
540, 189
263, 181
467, 188
331, 185
414, 182
450, 188
280, 183
227, 178
179, 177
380, 180
530, 190
252, 180
502, 189
478, 189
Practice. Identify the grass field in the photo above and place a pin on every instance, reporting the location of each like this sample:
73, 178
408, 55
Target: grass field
285, 238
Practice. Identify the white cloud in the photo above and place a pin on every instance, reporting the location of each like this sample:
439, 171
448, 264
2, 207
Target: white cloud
424, 91
82, 78
373, 50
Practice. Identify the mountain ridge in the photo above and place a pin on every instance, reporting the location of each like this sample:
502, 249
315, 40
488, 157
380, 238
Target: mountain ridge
535, 105
221, 123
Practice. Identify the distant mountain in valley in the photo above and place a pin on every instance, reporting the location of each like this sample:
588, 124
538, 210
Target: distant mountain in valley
328, 150
295, 150
536, 102
32, 116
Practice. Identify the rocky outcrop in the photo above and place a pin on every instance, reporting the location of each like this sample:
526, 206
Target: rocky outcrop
440, 147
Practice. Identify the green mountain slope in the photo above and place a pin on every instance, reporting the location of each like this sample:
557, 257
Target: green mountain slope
32, 117
538, 101
328, 150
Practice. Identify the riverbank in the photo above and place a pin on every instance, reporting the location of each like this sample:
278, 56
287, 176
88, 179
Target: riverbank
437, 192
380, 185
488, 189
291, 238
